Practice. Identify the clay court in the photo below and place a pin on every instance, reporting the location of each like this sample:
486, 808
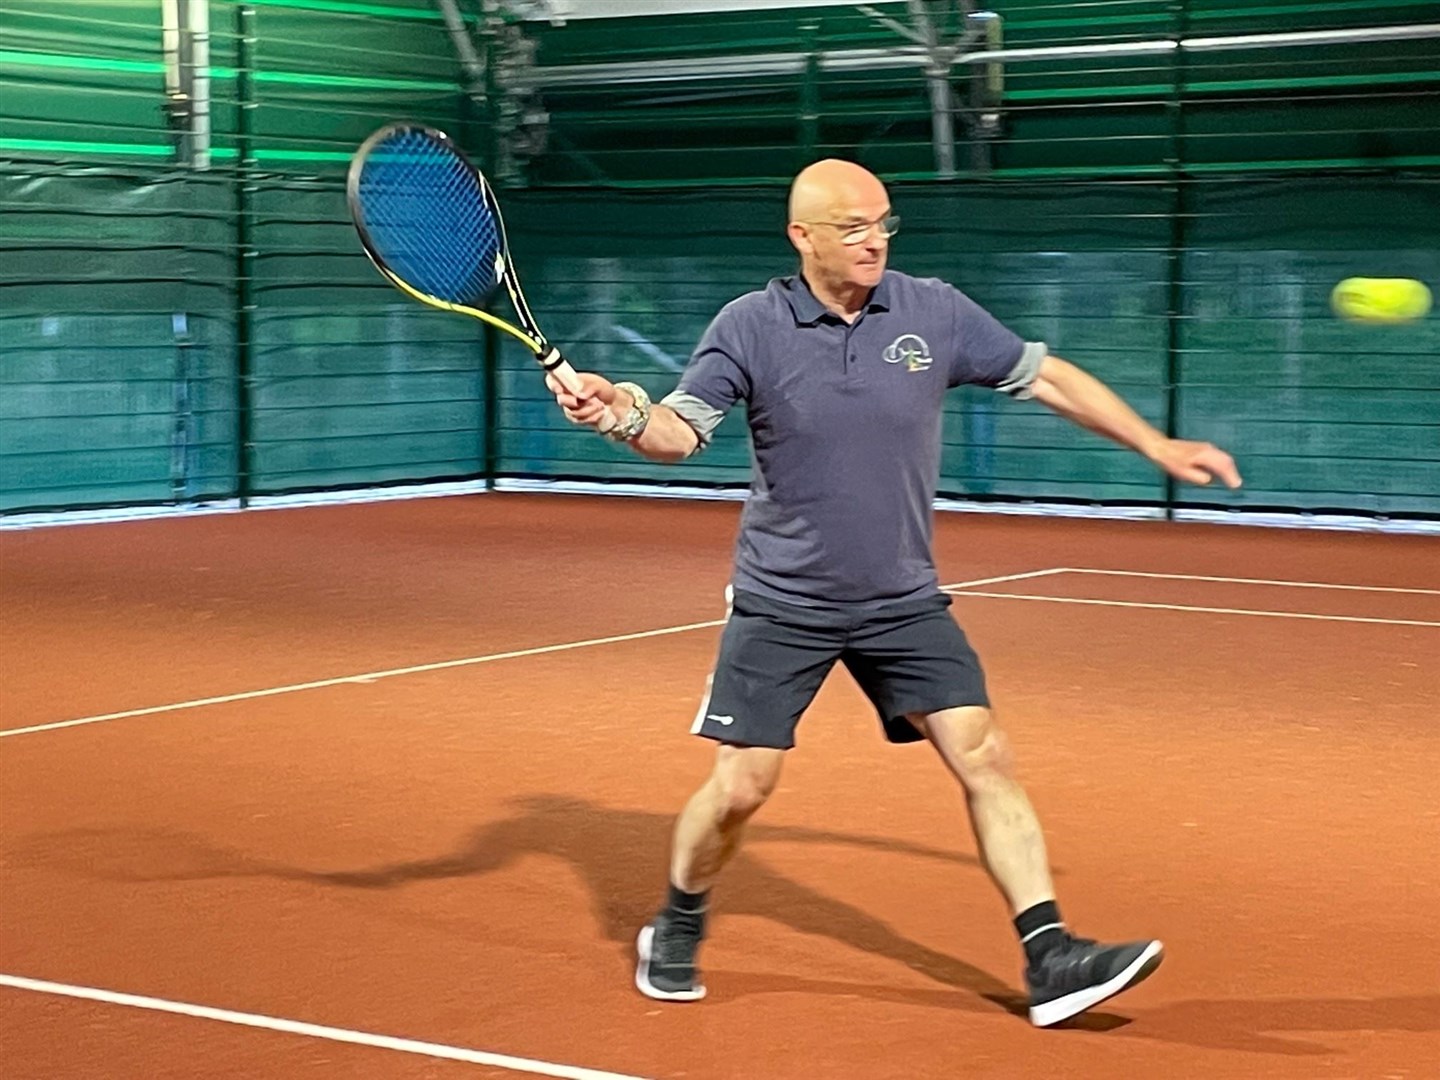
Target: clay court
385, 790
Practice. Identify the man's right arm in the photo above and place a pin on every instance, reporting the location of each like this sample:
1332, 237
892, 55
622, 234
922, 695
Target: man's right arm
666, 436
685, 421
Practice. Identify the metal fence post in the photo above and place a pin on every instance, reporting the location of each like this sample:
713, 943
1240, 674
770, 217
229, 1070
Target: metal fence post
1175, 256
245, 187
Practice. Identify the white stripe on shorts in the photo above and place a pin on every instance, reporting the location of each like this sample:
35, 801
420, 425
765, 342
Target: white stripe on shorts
699, 721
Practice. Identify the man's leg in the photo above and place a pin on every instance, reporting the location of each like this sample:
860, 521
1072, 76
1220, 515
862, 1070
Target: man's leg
1006, 829
1066, 975
773, 658
710, 827
707, 835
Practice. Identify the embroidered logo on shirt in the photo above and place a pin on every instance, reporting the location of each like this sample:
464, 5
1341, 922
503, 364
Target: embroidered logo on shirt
911, 350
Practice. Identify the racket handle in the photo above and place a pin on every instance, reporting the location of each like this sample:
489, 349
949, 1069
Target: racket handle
557, 365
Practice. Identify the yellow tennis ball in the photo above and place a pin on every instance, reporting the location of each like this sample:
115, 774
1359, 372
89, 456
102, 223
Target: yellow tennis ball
1381, 300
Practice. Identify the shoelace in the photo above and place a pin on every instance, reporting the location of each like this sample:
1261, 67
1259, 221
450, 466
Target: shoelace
1071, 964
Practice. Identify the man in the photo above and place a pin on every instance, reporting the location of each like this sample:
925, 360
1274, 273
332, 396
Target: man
843, 370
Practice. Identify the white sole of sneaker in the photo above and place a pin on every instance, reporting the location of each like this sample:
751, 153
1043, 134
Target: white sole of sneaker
643, 945
1052, 1012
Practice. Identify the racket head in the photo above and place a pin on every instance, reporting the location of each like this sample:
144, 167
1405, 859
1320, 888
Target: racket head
426, 216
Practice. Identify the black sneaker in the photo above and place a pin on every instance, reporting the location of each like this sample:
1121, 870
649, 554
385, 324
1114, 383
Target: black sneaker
1079, 974
667, 948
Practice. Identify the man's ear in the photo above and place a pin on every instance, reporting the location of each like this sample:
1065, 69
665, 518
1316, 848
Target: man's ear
799, 239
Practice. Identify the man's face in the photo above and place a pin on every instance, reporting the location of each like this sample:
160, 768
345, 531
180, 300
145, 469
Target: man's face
849, 245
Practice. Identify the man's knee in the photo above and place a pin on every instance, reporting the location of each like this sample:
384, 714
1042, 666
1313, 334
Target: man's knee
744, 777
971, 741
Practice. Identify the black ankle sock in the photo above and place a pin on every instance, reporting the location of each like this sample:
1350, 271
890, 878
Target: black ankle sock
684, 903
1040, 929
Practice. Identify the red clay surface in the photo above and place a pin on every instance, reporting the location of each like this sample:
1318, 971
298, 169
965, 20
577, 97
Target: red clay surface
463, 856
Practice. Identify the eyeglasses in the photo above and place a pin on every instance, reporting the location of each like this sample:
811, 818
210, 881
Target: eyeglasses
852, 234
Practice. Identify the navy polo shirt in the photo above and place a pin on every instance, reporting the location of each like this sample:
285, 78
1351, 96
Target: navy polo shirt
845, 426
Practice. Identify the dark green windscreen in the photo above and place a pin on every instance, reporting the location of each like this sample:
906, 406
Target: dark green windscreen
1174, 224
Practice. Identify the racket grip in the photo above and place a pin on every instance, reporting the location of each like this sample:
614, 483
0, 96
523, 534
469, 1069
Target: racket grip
557, 365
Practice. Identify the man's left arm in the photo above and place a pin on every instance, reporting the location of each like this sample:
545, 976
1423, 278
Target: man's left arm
1083, 399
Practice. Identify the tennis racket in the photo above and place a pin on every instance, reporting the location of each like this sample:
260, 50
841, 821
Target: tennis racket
430, 223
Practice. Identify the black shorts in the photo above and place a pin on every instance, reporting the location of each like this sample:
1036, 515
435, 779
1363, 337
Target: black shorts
910, 657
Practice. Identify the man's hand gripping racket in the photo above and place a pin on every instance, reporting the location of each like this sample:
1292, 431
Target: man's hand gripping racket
590, 402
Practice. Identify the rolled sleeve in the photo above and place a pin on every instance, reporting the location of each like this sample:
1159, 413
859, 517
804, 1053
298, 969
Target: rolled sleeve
695, 411
716, 377
1020, 383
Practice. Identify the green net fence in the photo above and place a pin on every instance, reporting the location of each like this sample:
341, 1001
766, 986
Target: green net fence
174, 330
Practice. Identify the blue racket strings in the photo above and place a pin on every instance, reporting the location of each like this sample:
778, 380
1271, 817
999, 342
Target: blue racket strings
425, 212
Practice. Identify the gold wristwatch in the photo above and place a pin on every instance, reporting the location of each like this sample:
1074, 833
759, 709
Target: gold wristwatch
636, 419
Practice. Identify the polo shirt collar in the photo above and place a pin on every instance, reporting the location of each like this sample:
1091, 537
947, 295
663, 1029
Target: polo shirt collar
809, 311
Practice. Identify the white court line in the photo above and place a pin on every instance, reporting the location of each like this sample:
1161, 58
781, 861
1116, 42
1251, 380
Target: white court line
315, 1031
390, 673
1251, 581
1209, 610
1003, 577
367, 677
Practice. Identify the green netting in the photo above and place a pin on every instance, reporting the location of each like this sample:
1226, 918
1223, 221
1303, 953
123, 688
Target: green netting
1323, 413
1329, 413
116, 343
352, 382
169, 334
1339, 102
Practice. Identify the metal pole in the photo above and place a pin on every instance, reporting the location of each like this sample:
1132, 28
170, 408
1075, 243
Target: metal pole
489, 91
1412, 32
177, 113
170, 45
490, 404
198, 25
1175, 255
174, 45
762, 64
185, 41
810, 94
245, 246
987, 89
470, 60
937, 79
942, 120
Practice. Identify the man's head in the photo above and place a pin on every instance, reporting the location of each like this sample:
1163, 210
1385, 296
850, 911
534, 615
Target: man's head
838, 223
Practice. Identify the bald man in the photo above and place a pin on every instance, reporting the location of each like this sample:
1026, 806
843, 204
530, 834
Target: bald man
843, 369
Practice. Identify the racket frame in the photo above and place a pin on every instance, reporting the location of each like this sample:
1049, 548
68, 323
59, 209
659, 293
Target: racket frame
546, 355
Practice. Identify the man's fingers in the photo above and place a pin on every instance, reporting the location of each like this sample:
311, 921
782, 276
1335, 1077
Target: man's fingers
1200, 463
1219, 464
1228, 472
588, 408
590, 413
